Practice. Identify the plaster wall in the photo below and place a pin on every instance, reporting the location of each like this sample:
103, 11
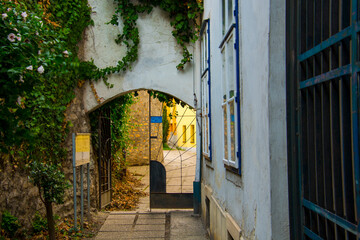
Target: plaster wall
158, 56
256, 201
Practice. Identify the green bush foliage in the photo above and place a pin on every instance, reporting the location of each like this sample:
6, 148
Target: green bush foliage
9, 223
50, 180
39, 223
120, 109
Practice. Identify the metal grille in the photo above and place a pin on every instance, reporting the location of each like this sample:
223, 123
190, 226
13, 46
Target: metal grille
104, 151
327, 83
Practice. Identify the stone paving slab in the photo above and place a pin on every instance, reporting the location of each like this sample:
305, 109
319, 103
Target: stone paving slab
129, 235
149, 227
115, 227
152, 216
157, 221
171, 225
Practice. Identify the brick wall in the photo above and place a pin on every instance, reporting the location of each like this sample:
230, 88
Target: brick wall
138, 154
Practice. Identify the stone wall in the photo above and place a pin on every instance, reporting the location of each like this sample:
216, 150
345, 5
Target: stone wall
21, 198
138, 154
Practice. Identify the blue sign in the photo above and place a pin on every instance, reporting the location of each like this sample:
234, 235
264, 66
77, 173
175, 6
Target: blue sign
156, 119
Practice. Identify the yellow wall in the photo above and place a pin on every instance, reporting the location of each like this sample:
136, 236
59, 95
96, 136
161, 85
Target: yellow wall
185, 121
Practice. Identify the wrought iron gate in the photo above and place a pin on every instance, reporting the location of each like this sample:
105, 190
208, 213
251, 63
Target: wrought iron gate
104, 157
323, 118
169, 184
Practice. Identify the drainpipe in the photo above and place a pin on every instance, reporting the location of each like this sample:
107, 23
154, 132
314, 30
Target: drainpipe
197, 182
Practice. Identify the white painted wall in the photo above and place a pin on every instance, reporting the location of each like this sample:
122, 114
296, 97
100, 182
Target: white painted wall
256, 200
158, 56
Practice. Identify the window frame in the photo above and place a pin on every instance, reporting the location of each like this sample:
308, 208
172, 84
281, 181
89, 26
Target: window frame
184, 129
230, 30
205, 89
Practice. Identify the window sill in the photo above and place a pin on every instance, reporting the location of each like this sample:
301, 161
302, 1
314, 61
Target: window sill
208, 162
232, 175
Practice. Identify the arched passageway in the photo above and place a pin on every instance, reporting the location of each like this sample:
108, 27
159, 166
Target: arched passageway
160, 148
155, 68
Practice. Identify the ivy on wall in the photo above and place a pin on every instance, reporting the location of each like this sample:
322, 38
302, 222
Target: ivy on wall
39, 67
183, 15
120, 117
38, 72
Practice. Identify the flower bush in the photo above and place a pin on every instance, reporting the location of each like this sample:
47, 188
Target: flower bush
37, 76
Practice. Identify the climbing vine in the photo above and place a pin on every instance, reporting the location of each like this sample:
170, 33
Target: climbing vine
39, 69
183, 16
120, 117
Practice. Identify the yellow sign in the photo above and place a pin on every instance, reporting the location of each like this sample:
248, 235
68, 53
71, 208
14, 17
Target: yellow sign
82, 149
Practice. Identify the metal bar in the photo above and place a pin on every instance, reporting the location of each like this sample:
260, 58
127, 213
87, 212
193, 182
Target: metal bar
303, 154
325, 113
227, 35
339, 72
326, 44
175, 131
99, 156
332, 217
300, 111
171, 170
149, 129
319, 158
82, 196
88, 189
311, 234
312, 184
355, 102
237, 102
181, 178
336, 154
180, 136
74, 180
180, 155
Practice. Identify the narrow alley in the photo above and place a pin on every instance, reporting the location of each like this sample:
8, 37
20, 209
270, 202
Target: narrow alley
158, 223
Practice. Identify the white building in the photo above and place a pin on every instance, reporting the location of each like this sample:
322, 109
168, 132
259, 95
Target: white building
279, 86
242, 84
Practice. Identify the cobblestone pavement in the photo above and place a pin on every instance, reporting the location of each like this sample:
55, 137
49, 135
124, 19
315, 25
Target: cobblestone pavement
169, 225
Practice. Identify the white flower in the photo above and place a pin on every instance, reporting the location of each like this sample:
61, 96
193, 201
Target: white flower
66, 53
24, 14
29, 68
11, 37
4, 15
21, 79
18, 37
9, 9
19, 100
39, 52
41, 69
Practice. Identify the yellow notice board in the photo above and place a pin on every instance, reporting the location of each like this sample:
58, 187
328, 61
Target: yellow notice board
82, 149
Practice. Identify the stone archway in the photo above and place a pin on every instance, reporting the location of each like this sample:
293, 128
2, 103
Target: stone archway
156, 66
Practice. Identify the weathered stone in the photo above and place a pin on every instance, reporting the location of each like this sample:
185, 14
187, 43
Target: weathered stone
138, 154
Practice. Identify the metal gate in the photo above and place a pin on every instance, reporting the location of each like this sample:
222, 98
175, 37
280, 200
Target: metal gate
170, 178
323, 118
104, 160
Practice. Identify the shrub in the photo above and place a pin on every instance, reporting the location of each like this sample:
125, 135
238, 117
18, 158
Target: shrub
39, 223
9, 223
